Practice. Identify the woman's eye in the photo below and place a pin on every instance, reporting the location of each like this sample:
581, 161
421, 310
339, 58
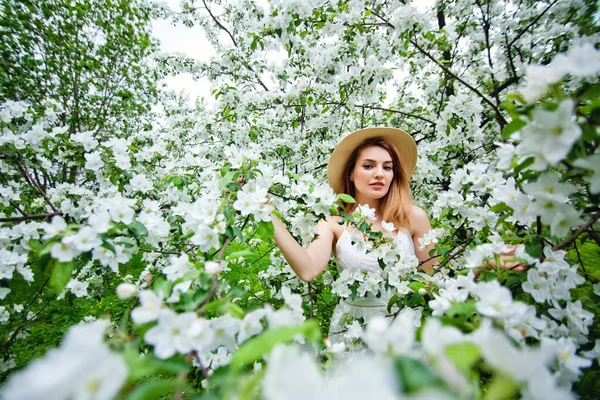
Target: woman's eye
387, 168
367, 166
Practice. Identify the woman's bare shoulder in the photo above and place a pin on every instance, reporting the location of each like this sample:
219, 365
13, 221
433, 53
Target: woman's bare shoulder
417, 212
419, 220
333, 223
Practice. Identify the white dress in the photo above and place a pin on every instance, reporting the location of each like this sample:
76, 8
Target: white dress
352, 259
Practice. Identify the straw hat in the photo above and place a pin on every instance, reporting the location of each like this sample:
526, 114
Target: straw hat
401, 140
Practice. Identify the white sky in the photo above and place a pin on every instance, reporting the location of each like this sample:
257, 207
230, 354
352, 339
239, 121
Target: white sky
193, 43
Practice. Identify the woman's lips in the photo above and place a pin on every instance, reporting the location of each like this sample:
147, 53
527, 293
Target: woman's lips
377, 185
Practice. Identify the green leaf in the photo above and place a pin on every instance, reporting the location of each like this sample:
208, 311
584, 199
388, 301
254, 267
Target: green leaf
157, 389
502, 387
163, 286
249, 388
187, 235
171, 366
588, 109
525, 164
265, 230
415, 286
467, 309
61, 275
247, 252
391, 303
500, 207
218, 306
177, 181
415, 299
108, 246
138, 366
227, 179
593, 93
48, 247
35, 244
43, 261
512, 127
415, 376
235, 311
534, 249
346, 198
260, 345
463, 355
138, 228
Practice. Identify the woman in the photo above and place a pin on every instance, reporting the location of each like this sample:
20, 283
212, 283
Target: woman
373, 165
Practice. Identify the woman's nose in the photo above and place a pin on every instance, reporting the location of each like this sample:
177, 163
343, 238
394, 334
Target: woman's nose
379, 172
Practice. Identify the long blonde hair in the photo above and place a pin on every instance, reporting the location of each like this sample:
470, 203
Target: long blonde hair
396, 205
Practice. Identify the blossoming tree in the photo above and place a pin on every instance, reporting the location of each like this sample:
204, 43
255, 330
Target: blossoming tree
104, 172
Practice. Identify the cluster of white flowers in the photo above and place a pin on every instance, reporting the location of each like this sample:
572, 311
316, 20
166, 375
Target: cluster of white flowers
212, 339
86, 239
581, 61
549, 135
547, 198
293, 374
530, 368
520, 320
158, 228
366, 281
120, 150
11, 260
552, 279
467, 205
65, 373
338, 51
251, 198
202, 218
398, 267
36, 129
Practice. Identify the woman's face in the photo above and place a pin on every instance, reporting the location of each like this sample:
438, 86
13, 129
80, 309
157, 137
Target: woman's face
372, 174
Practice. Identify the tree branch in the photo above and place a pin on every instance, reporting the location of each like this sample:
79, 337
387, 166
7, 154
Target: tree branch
578, 232
501, 118
386, 22
30, 180
397, 112
221, 26
499, 115
536, 19
219, 23
30, 217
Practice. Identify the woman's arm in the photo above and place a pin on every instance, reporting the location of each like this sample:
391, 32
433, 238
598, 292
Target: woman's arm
310, 262
420, 225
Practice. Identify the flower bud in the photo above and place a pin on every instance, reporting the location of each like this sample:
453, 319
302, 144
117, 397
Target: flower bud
126, 290
422, 291
212, 267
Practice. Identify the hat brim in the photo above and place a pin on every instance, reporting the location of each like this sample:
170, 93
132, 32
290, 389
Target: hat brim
402, 141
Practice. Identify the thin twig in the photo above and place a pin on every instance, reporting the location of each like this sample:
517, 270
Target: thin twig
176, 253
4, 348
536, 19
30, 180
19, 209
446, 70
234, 43
501, 118
397, 112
